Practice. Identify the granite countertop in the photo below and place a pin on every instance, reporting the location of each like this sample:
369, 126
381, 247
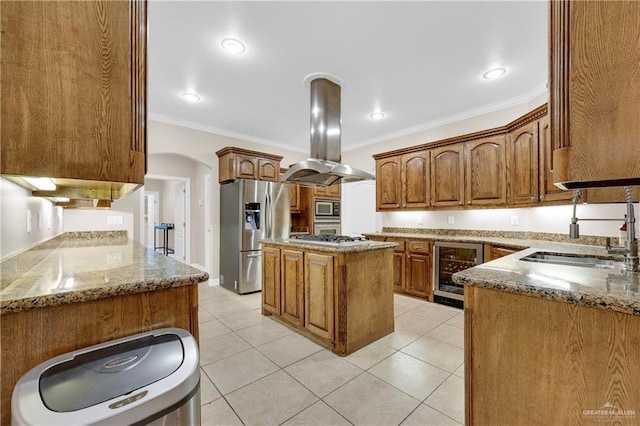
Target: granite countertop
78, 267
367, 246
609, 289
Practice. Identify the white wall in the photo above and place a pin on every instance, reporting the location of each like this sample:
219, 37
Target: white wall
14, 203
98, 219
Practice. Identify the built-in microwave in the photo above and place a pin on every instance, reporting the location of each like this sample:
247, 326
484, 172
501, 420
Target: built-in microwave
327, 209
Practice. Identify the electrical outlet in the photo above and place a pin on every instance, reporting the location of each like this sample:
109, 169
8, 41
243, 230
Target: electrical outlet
450, 220
515, 221
420, 219
39, 216
115, 220
28, 221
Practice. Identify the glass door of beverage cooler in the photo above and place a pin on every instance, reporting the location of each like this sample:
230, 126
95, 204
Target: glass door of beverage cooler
450, 258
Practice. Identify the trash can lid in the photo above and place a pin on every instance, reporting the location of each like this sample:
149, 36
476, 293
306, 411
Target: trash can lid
100, 375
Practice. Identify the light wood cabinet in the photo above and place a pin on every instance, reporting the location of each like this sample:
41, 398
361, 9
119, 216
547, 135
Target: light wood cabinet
419, 275
549, 193
594, 92
522, 165
271, 280
447, 176
486, 180
73, 96
333, 192
318, 294
294, 198
496, 251
399, 267
237, 163
292, 285
388, 184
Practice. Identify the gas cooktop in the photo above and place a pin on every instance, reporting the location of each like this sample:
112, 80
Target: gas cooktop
338, 240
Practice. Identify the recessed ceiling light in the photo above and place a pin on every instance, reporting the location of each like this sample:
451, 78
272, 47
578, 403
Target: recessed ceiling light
190, 97
494, 73
377, 116
233, 45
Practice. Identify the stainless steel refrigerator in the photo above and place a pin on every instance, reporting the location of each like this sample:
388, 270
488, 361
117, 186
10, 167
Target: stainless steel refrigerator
250, 210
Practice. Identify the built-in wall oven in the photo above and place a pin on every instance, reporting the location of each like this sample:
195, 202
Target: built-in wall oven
449, 258
326, 227
326, 218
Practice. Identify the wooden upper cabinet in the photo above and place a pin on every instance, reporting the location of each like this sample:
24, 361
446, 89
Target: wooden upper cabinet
415, 180
238, 163
548, 191
388, 185
447, 176
333, 192
73, 96
292, 286
522, 164
594, 94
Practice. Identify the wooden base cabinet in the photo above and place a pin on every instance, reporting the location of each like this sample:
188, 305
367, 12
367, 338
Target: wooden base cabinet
533, 361
343, 299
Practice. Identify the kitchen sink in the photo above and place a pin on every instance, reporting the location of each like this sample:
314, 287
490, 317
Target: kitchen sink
570, 260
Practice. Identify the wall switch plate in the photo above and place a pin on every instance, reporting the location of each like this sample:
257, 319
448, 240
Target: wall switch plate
39, 216
515, 221
28, 221
450, 220
115, 220
420, 219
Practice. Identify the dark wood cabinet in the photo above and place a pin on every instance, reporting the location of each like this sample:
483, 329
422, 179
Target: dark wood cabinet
486, 180
238, 163
415, 180
522, 165
447, 176
549, 193
292, 286
388, 184
73, 95
594, 92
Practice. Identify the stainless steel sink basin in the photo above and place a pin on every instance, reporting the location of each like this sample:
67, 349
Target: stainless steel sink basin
570, 260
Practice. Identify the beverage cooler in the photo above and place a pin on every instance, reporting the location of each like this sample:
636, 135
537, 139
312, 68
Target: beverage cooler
449, 258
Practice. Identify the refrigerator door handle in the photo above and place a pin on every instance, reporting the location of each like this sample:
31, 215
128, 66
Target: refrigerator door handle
253, 255
268, 213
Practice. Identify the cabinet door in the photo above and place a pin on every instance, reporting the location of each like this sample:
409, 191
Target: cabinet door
271, 280
268, 170
292, 286
594, 93
522, 164
398, 271
294, 197
486, 173
73, 89
388, 187
419, 275
246, 167
548, 191
415, 180
318, 294
447, 176
331, 191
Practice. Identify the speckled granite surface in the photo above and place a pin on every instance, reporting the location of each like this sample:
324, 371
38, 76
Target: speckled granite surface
609, 289
370, 245
78, 267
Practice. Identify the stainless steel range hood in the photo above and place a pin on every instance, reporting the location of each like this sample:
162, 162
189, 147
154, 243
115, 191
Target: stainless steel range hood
324, 167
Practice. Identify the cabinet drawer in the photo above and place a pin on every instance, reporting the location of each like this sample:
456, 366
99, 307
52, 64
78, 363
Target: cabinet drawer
401, 243
419, 246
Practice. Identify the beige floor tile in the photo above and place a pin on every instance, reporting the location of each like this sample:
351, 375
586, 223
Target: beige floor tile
270, 400
242, 319
449, 398
204, 316
460, 371
427, 416
410, 375
435, 352
212, 329
208, 391
367, 400
217, 413
220, 347
448, 334
415, 323
319, 414
436, 312
252, 301
323, 372
402, 304
399, 339
223, 308
263, 332
239, 370
457, 321
370, 355
289, 349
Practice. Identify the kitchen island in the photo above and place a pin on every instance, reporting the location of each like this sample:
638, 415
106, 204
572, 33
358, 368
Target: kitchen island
339, 294
80, 289
549, 343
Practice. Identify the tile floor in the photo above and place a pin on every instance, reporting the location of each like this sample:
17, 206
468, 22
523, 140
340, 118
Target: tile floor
256, 371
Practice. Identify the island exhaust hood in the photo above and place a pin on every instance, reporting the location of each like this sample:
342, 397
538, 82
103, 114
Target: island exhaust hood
324, 167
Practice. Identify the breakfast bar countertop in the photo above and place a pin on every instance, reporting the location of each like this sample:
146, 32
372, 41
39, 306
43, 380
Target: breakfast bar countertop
82, 266
331, 248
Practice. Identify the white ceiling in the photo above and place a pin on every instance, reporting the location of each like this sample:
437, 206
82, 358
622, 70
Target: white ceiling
418, 62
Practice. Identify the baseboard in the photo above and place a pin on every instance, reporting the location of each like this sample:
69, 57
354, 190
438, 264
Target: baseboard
197, 265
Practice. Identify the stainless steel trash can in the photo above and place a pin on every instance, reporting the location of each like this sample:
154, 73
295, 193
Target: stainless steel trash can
150, 378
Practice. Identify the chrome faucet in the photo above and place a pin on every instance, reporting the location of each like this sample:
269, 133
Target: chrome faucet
630, 250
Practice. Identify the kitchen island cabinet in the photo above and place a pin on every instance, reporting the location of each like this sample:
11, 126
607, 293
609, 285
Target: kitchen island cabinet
565, 341
81, 289
340, 295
